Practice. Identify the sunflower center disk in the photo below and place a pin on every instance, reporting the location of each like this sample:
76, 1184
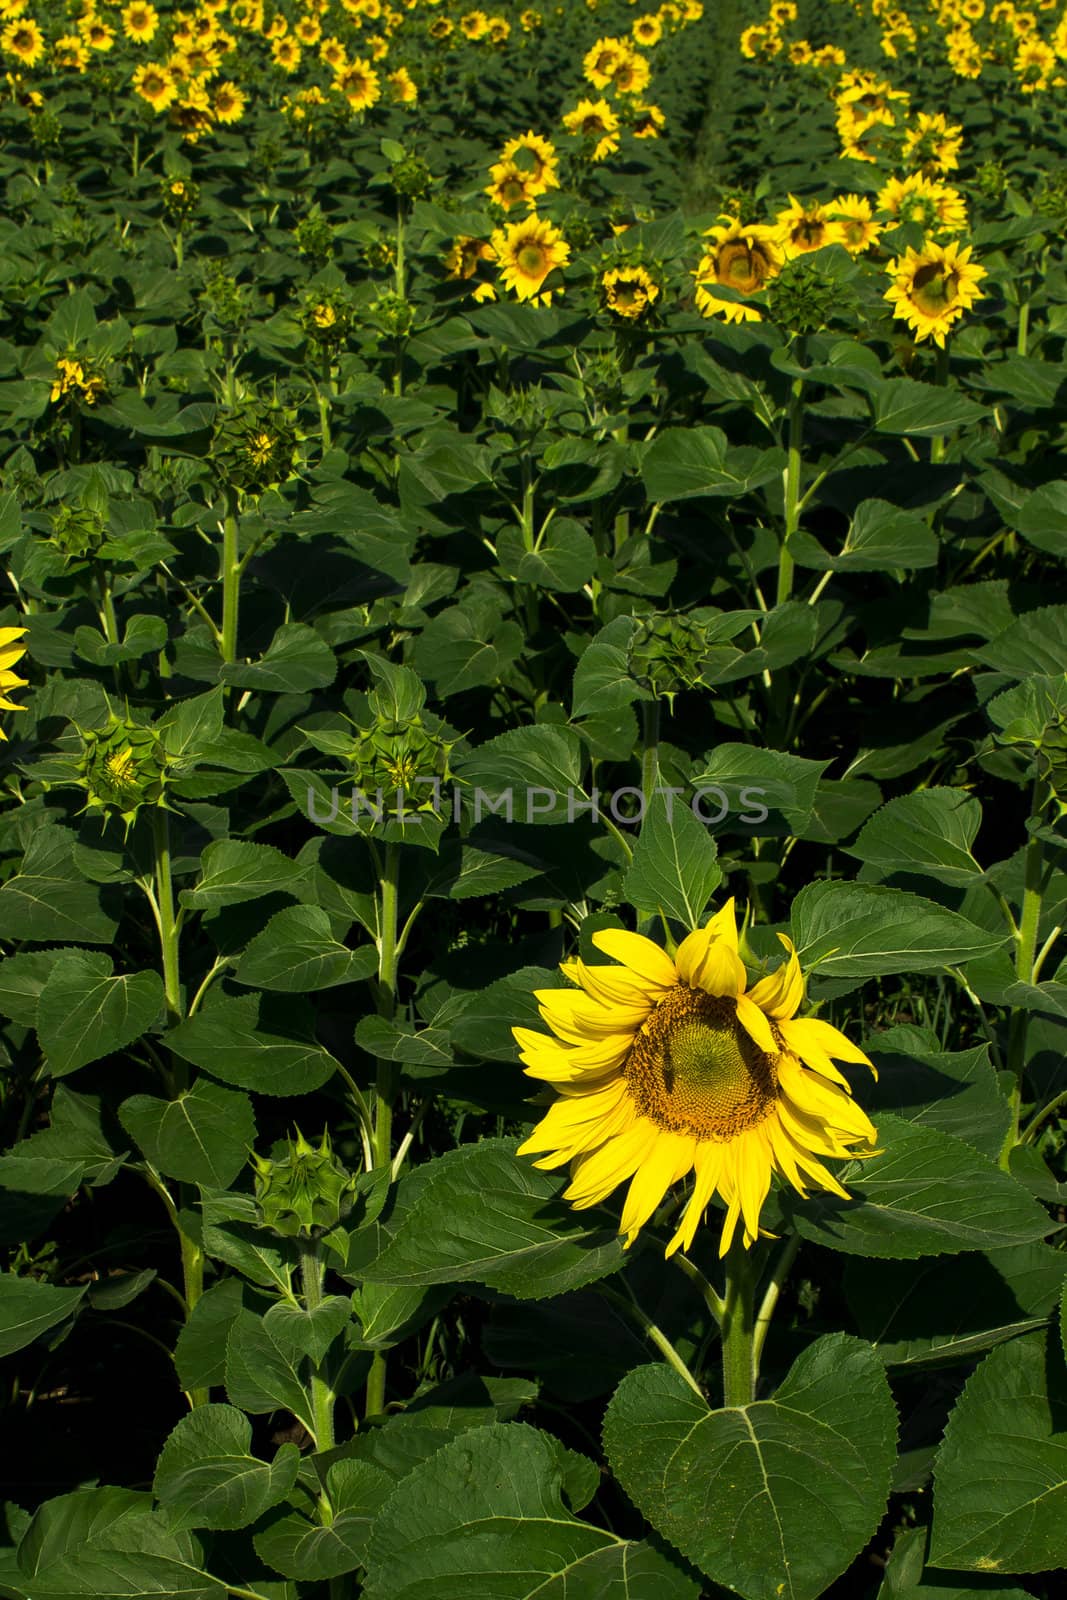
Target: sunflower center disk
694, 1069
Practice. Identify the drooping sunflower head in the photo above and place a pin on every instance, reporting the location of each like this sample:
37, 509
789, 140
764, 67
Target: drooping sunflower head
536, 157
527, 252
933, 287
667, 1067
596, 123
465, 255
743, 257
936, 207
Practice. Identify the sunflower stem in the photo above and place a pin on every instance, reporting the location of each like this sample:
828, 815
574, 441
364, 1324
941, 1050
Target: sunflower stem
738, 1375
654, 1334
385, 1081
793, 466
1025, 959
231, 577
937, 443
312, 1272
649, 749
782, 1268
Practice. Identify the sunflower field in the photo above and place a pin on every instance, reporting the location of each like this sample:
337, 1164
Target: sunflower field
533, 679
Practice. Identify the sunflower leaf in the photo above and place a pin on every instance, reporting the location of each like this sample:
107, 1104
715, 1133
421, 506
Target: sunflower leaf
772, 1499
675, 868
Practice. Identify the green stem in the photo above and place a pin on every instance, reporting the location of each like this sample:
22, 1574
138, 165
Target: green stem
653, 1333
937, 443
621, 532
385, 1080
1023, 335
312, 1272
738, 1375
325, 394
168, 926
108, 620
649, 749
1025, 956
230, 573
782, 1269
793, 466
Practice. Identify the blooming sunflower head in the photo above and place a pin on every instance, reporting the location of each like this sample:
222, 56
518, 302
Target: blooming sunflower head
595, 122
511, 185
742, 257
933, 287
602, 59
629, 292
527, 252
806, 226
854, 217
666, 1067
536, 158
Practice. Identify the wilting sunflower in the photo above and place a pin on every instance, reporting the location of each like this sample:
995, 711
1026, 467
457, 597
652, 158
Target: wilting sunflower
933, 287
467, 252
670, 1066
629, 291
10, 652
742, 257
527, 252
932, 144
648, 122
806, 227
595, 120
853, 215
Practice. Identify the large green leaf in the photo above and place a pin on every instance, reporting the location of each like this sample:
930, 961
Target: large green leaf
255, 1045
86, 1012
484, 1518
261, 1373
29, 1308
925, 1194
298, 1547
1000, 1480
232, 870
772, 1499
48, 900
859, 930
681, 463
297, 952
483, 1216
207, 1477
297, 658
930, 833
675, 868
900, 405
202, 1136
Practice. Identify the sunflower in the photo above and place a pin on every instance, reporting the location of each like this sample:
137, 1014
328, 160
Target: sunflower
632, 74
309, 30
140, 22
97, 34
332, 53
10, 652
806, 227
466, 252
511, 185
670, 1066
935, 206
933, 144
229, 102
359, 83
23, 40
744, 258
403, 90
933, 287
536, 158
474, 25
286, 53
1034, 64
70, 53
800, 53
602, 60
629, 291
156, 85
441, 28
530, 19
594, 119
649, 121
647, 31
853, 215
527, 252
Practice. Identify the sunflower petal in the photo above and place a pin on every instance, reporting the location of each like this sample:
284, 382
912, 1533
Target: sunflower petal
756, 1025
639, 954
815, 1041
781, 994
652, 1180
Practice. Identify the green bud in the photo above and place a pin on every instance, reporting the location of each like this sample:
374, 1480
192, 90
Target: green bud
992, 179
78, 531
804, 296
406, 759
314, 236
667, 653
254, 447
307, 1191
122, 767
410, 177
393, 314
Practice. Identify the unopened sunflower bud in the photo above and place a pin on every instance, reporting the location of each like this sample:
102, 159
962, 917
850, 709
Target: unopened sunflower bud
403, 762
393, 314
804, 296
122, 768
667, 653
254, 447
410, 178
307, 1191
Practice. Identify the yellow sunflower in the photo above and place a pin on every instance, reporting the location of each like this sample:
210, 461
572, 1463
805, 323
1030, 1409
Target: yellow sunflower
632, 74
647, 31
629, 291
156, 85
286, 53
475, 25
69, 53
933, 287
536, 158
933, 144
935, 206
333, 53
463, 258
594, 119
359, 83
602, 59
854, 217
669, 1066
403, 90
527, 252
229, 102
10, 652
510, 185
806, 227
140, 22
23, 40
742, 257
